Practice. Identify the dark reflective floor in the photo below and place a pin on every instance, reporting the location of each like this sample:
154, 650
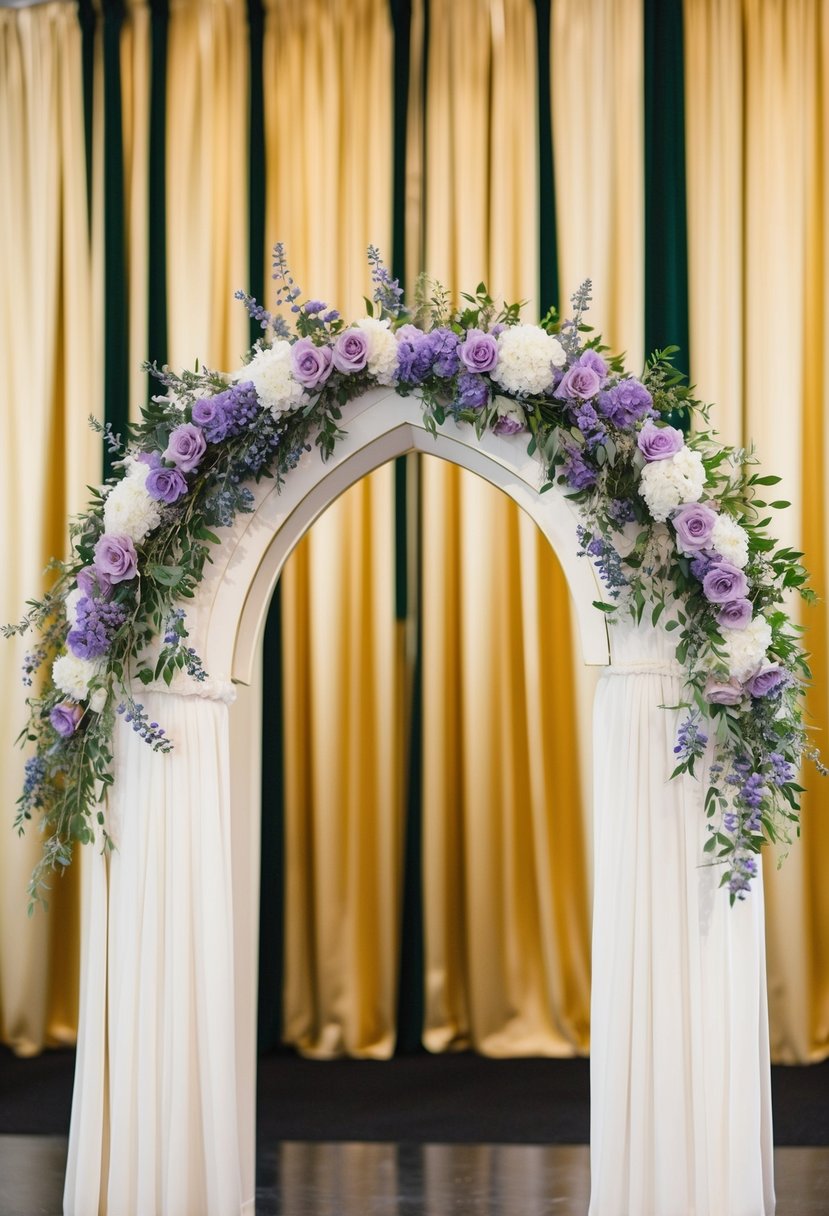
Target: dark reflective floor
303, 1179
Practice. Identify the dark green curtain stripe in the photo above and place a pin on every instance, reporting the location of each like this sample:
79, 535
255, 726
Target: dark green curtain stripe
666, 241
410, 993
86, 21
547, 247
116, 342
272, 864
157, 187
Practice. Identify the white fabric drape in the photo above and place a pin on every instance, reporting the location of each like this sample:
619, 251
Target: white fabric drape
154, 1117
679, 1064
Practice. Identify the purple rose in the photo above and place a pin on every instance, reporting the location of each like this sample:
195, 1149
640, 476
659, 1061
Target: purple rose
767, 680
65, 718
693, 523
659, 442
166, 485
591, 358
94, 583
734, 614
724, 582
579, 381
311, 364
210, 414
723, 692
351, 351
479, 353
115, 558
186, 447
627, 402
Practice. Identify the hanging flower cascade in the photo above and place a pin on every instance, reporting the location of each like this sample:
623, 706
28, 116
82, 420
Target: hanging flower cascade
115, 620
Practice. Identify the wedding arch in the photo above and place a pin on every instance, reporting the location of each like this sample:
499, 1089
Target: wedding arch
676, 586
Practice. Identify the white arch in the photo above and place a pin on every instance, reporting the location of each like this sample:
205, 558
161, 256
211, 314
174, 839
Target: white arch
379, 426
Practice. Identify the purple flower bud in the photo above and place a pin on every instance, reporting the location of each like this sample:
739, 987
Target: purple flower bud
769, 679
659, 442
351, 351
166, 485
186, 447
65, 718
734, 614
115, 558
508, 424
479, 353
311, 365
724, 582
723, 692
579, 381
693, 523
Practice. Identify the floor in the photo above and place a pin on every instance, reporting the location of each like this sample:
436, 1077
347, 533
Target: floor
316, 1179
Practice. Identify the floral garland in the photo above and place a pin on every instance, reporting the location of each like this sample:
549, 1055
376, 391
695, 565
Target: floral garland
114, 620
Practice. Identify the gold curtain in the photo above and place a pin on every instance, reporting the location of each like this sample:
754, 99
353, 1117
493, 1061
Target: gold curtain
50, 380
328, 89
757, 74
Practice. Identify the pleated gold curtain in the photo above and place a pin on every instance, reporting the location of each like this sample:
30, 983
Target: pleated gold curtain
328, 85
506, 714
50, 381
757, 94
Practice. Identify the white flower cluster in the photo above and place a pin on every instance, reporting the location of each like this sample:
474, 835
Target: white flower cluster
664, 484
746, 648
730, 540
527, 355
129, 510
270, 372
73, 675
382, 349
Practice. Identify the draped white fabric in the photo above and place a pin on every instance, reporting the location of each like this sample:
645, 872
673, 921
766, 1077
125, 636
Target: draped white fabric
154, 1117
679, 1066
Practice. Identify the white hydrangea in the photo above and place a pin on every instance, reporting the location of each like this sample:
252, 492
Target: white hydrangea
730, 540
71, 603
382, 349
746, 648
129, 510
73, 675
270, 372
664, 484
527, 355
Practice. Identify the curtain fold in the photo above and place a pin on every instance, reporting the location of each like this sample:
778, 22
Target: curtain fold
328, 196
49, 383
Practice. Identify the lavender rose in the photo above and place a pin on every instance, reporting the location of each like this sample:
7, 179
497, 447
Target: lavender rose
693, 523
115, 558
210, 414
351, 351
734, 614
311, 364
625, 403
591, 358
186, 447
723, 692
767, 680
479, 353
579, 381
94, 583
724, 582
659, 442
166, 485
65, 718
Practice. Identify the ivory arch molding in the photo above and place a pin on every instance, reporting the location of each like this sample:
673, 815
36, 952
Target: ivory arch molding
164, 1105
379, 426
